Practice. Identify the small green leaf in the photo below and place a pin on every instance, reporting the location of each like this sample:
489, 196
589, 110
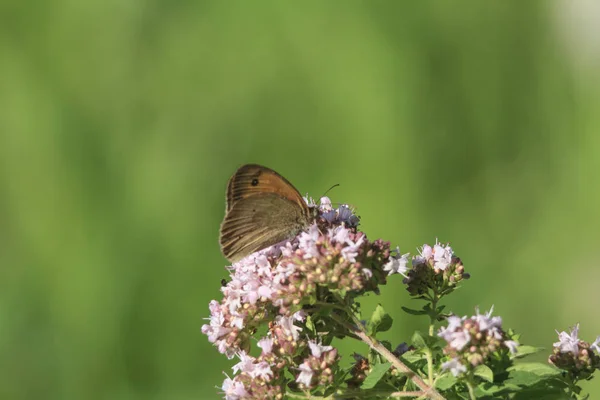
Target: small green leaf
484, 372
445, 382
413, 356
418, 341
413, 312
310, 324
375, 375
380, 321
434, 342
386, 344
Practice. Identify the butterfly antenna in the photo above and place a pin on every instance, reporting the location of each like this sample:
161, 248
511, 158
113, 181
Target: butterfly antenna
327, 191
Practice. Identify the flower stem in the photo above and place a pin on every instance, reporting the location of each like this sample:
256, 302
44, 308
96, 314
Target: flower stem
388, 355
354, 394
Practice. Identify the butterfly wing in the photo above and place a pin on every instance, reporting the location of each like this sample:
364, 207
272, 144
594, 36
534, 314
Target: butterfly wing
252, 179
259, 221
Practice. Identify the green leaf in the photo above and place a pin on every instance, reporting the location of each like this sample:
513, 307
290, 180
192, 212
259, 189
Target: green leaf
375, 375
540, 369
413, 312
523, 351
445, 382
484, 372
492, 390
541, 393
380, 321
529, 374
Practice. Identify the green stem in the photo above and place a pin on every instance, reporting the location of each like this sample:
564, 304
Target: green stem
332, 305
429, 366
432, 319
433, 316
471, 390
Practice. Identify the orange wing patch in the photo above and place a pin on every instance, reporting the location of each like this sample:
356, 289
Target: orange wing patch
252, 179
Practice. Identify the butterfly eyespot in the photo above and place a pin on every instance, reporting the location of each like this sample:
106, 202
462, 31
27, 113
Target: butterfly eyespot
254, 182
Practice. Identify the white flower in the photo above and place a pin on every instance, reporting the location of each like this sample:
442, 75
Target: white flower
249, 365
262, 370
454, 366
246, 363
305, 375
287, 324
325, 204
454, 322
307, 241
511, 345
457, 339
596, 345
317, 349
397, 264
442, 256
568, 342
309, 201
426, 251
299, 316
233, 389
340, 234
266, 344
492, 325
350, 251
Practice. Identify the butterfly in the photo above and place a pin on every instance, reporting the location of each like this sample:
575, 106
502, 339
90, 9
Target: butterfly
262, 209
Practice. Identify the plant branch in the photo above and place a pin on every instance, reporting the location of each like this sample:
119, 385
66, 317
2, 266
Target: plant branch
388, 355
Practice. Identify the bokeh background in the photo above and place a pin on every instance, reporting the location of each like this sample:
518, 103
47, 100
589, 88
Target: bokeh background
120, 122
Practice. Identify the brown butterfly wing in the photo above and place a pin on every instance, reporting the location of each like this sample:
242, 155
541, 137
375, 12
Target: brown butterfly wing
260, 221
252, 179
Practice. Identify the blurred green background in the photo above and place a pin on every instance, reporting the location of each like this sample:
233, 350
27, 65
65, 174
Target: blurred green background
121, 121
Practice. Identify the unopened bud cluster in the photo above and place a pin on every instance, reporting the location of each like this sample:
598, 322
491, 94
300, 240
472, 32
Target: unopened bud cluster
580, 359
359, 371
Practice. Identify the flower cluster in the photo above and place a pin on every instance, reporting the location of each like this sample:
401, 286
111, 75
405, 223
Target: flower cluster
255, 380
332, 256
575, 356
283, 347
316, 369
293, 299
435, 268
474, 341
